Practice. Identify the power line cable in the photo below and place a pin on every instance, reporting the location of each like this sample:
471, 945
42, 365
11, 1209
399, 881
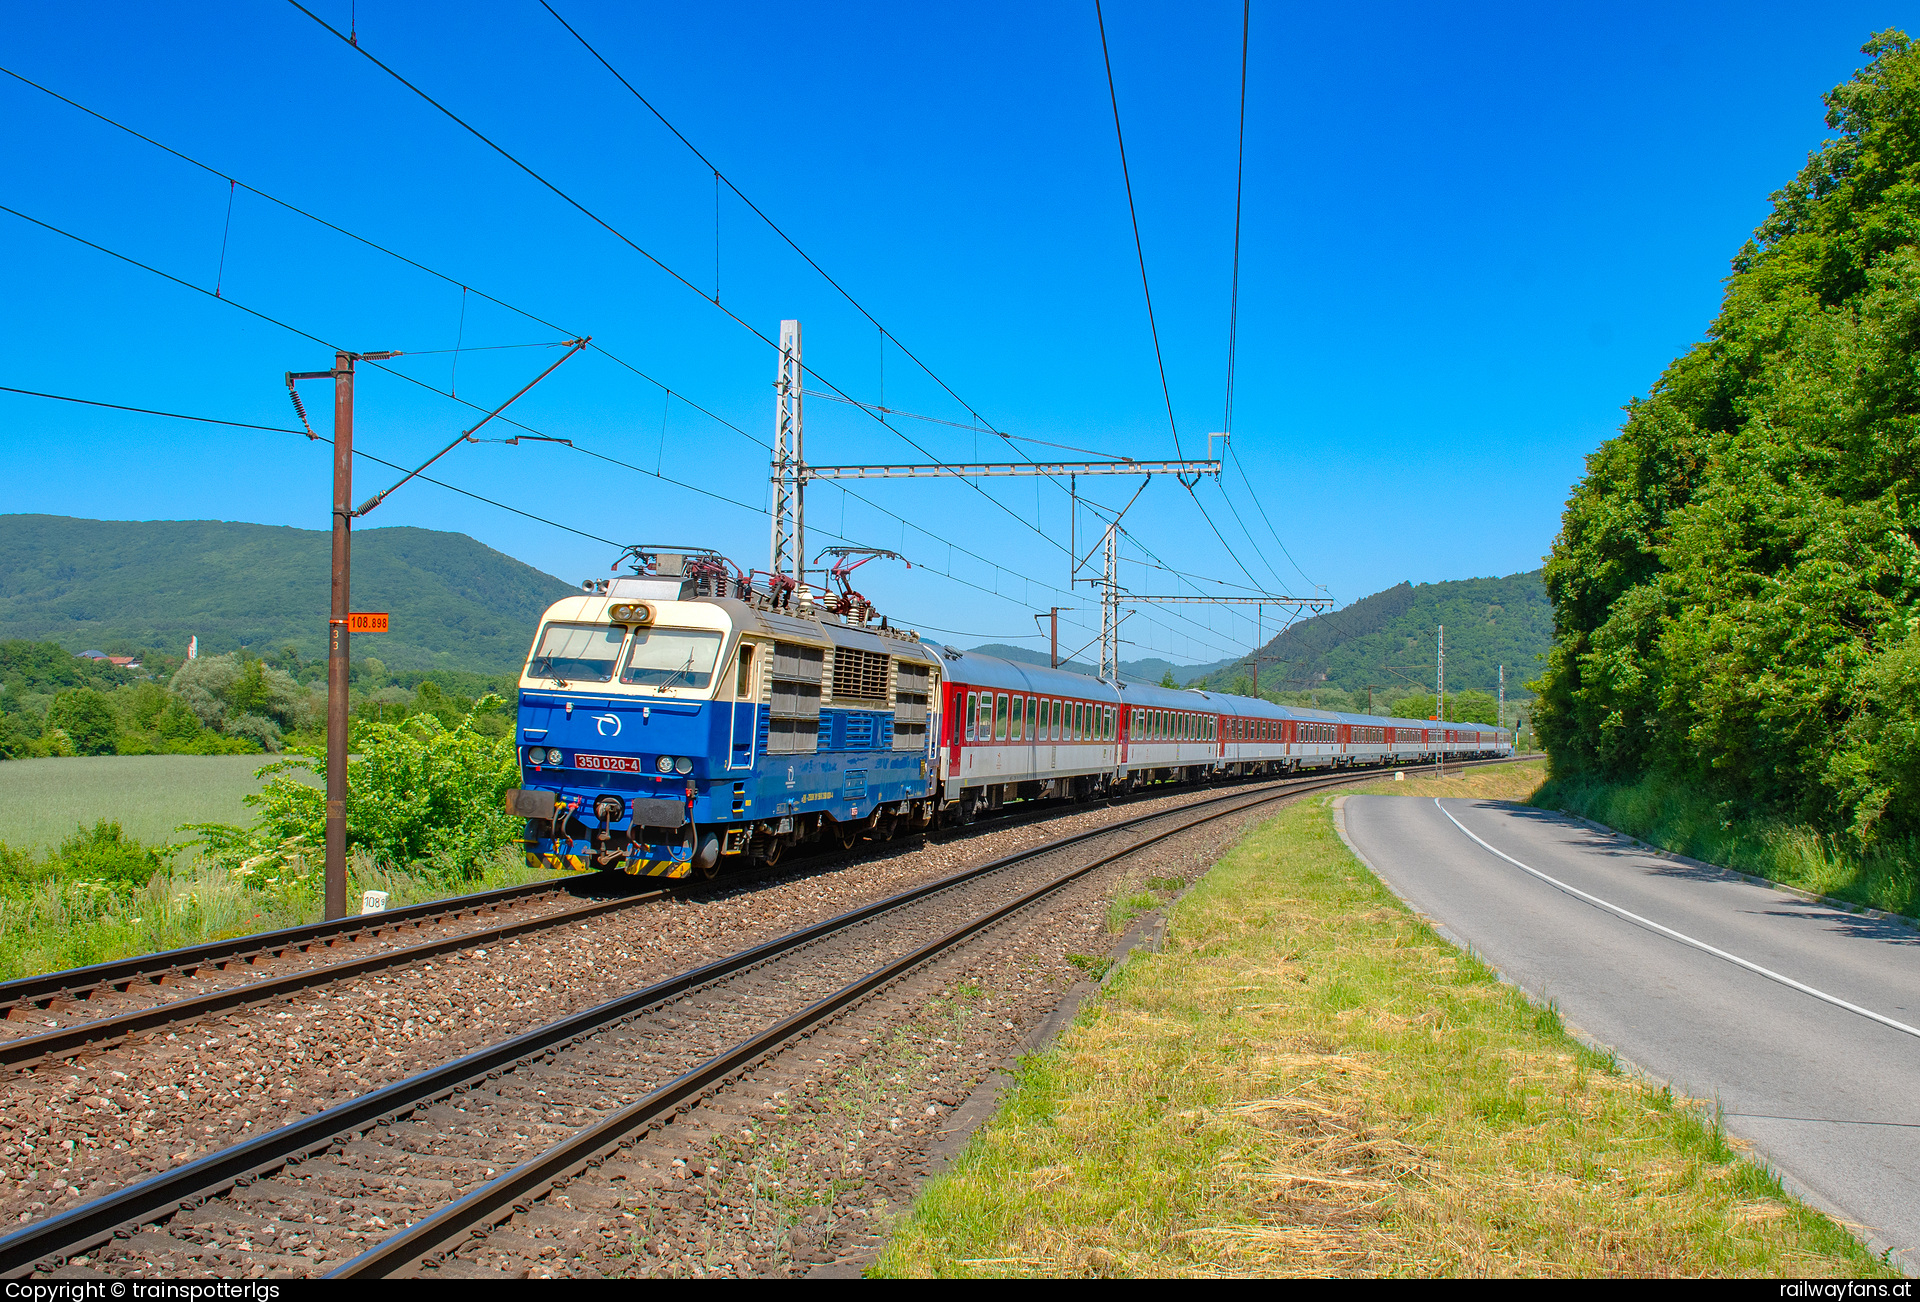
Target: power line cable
317, 438
1138, 246
723, 179
292, 329
650, 257
450, 280
1239, 188
377, 247
1140, 250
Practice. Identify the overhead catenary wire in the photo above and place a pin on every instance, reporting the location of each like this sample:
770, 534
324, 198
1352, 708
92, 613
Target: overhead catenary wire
1139, 247
254, 312
720, 178
683, 280
1140, 250
378, 248
666, 389
316, 438
1239, 190
648, 255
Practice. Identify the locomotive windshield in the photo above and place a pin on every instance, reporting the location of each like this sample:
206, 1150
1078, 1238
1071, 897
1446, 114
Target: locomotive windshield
671, 657
576, 653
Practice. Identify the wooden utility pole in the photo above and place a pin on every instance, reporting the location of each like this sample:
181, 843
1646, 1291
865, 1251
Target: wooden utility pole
338, 636
335, 854
1053, 636
338, 606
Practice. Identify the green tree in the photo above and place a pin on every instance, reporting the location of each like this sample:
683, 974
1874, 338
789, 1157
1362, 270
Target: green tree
1166, 679
87, 718
1737, 577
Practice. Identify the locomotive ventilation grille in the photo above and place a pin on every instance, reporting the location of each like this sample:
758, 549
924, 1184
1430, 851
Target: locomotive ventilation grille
859, 674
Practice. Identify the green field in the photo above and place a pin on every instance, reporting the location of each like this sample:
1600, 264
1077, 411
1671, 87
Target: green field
43, 800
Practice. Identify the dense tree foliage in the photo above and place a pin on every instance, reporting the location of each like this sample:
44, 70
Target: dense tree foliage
1736, 584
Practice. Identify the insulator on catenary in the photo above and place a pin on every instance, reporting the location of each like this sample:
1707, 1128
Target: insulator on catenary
301, 408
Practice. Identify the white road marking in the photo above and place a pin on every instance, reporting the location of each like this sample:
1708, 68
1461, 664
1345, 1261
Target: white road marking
1685, 939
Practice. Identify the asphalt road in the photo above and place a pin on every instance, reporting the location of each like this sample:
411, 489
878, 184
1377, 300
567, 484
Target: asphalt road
1829, 1095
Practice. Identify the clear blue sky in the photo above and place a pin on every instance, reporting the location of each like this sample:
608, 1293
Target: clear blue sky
1470, 235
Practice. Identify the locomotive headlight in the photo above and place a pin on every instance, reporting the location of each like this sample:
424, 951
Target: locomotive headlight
630, 612
666, 764
683, 766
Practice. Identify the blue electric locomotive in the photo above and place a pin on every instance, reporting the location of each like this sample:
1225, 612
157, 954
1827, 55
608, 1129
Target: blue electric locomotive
665, 725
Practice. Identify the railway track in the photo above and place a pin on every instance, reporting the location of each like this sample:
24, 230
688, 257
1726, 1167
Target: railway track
380, 1184
56, 1015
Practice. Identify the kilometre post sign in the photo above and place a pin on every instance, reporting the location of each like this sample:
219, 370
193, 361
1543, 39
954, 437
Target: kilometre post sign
367, 621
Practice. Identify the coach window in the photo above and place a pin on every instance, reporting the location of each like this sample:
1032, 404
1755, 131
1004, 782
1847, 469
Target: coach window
986, 716
1031, 706
1108, 714
1016, 732
1053, 717
973, 707
1000, 719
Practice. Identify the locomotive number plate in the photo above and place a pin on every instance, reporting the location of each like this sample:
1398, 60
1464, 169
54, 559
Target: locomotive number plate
610, 763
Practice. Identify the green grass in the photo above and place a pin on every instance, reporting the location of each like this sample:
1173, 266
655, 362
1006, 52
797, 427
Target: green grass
1687, 821
62, 924
1307, 1080
1516, 781
43, 800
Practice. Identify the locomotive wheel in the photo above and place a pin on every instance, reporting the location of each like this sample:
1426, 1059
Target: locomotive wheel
771, 855
846, 837
709, 871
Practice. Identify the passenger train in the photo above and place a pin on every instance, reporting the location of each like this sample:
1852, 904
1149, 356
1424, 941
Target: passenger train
682, 717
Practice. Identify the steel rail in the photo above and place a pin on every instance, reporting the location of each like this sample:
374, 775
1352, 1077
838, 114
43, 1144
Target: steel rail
75, 983
502, 1196
75, 1231
514, 1190
28, 1049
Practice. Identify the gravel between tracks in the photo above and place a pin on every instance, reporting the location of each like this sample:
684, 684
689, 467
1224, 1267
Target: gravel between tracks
805, 1161
71, 1132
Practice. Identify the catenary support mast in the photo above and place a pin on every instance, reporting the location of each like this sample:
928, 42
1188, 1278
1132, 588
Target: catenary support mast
787, 555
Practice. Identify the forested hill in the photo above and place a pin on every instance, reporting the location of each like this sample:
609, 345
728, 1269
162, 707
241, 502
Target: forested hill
112, 585
1387, 640
1150, 670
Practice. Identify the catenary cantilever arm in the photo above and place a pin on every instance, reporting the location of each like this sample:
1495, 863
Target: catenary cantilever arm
466, 434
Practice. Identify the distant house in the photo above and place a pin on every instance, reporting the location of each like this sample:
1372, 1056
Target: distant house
118, 662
